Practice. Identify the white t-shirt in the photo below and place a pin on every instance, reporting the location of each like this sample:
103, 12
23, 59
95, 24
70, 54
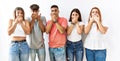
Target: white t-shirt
95, 39
74, 36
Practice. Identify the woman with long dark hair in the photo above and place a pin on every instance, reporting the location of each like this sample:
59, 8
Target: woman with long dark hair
74, 39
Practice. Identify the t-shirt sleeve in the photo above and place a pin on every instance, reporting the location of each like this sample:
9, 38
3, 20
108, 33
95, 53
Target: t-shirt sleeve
43, 20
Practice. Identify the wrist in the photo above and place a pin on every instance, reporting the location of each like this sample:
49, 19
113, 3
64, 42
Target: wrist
72, 23
55, 21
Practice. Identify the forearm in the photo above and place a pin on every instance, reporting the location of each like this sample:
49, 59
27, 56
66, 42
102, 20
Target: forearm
69, 29
102, 28
88, 27
25, 28
48, 27
11, 29
31, 25
79, 29
60, 28
42, 27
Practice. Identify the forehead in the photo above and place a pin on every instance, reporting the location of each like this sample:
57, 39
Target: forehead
54, 8
18, 10
95, 10
74, 12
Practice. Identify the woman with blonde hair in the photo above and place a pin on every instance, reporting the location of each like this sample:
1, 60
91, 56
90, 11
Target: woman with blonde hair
18, 28
95, 43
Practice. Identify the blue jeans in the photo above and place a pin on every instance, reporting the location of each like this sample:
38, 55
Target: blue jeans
19, 51
57, 54
74, 49
96, 55
40, 53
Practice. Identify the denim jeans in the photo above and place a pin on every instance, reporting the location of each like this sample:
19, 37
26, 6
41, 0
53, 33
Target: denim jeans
74, 51
57, 54
19, 51
40, 53
95, 55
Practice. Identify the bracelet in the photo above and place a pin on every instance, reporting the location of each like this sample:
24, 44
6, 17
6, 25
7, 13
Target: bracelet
55, 21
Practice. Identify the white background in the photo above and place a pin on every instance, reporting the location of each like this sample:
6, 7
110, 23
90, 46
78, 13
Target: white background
110, 14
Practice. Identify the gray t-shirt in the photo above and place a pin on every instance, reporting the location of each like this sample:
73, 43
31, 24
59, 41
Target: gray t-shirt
35, 38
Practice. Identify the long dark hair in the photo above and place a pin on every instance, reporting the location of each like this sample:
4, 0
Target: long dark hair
77, 11
19, 8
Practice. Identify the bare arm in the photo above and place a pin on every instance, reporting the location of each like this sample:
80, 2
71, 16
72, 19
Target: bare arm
42, 27
79, 28
48, 27
26, 27
88, 27
102, 28
60, 28
70, 28
11, 27
32, 24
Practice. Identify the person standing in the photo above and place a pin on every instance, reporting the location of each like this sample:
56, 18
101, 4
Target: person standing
95, 42
18, 28
74, 36
35, 39
56, 28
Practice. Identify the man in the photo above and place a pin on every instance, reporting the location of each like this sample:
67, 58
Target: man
36, 41
56, 28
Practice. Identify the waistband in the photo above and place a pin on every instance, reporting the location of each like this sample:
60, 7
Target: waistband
18, 41
73, 42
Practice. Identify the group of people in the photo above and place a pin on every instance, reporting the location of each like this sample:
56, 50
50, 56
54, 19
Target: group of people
65, 37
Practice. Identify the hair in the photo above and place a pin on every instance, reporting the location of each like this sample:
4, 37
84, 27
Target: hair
34, 7
54, 6
99, 13
77, 11
19, 8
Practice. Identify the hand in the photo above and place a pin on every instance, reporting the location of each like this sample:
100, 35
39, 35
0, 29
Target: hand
38, 17
34, 16
96, 18
91, 19
19, 19
74, 20
54, 17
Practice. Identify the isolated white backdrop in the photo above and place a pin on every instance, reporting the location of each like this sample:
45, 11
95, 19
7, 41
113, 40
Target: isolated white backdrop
110, 14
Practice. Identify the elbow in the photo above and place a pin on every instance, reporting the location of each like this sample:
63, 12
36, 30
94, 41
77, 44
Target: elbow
9, 33
104, 32
47, 32
80, 32
43, 30
85, 32
27, 33
68, 33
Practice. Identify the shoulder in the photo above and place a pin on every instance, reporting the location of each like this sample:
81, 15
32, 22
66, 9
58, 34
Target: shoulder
63, 18
43, 18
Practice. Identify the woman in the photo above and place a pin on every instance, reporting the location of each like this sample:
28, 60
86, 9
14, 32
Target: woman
95, 43
74, 38
18, 28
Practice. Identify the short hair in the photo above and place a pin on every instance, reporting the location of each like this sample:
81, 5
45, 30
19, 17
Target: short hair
34, 7
54, 6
